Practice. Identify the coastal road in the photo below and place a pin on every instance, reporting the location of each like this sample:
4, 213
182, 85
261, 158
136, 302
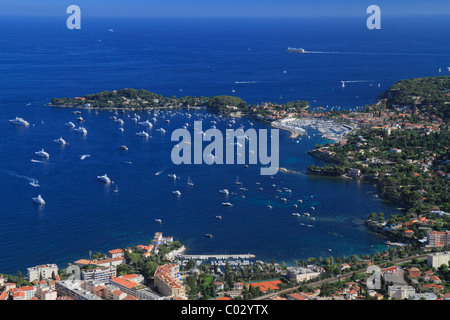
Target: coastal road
333, 279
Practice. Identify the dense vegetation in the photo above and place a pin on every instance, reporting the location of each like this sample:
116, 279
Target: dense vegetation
425, 94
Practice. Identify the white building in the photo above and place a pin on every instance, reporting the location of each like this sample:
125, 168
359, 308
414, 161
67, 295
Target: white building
304, 274
46, 271
400, 292
437, 259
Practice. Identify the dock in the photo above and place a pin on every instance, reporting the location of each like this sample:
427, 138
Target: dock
217, 256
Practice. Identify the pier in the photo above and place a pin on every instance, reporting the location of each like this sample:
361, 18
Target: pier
217, 256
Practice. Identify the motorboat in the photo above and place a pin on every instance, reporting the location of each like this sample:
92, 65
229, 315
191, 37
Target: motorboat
224, 191
161, 130
145, 123
227, 204
176, 192
172, 175
123, 148
104, 178
189, 182
209, 235
81, 130
80, 119
219, 217
39, 200
42, 154
60, 141
70, 124
158, 220
142, 134
19, 121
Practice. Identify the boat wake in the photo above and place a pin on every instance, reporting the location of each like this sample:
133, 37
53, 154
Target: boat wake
39, 161
33, 182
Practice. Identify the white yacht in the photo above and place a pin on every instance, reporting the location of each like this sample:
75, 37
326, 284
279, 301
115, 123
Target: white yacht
296, 214
39, 200
306, 214
158, 220
60, 141
269, 206
172, 175
42, 154
70, 124
176, 192
237, 181
189, 182
81, 130
224, 191
227, 204
119, 121
142, 134
161, 130
219, 217
104, 178
80, 119
19, 121
145, 123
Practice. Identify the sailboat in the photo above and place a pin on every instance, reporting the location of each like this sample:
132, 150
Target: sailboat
189, 182
237, 181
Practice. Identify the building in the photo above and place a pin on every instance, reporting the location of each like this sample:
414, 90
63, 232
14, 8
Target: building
300, 274
400, 292
46, 271
73, 290
133, 289
437, 259
116, 253
99, 274
167, 280
438, 239
414, 272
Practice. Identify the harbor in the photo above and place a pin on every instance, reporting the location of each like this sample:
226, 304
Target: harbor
327, 128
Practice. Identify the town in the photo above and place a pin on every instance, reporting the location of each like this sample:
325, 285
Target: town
160, 271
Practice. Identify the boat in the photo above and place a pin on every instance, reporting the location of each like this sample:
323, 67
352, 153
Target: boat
70, 124
161, 130
80, 119
227, 204
330, 250
104, 178
237, 181
296, 214
224, 191
306, 214
34, 183
209, 235
189, 182
299, 50
172, 175
119, 121
84, 156
42, 154
76, 112
124, 147
19, 121
60, 141
283, 199
142, 134
176, 192
219, 217
158, 220
39, 200
81, 130
145, 123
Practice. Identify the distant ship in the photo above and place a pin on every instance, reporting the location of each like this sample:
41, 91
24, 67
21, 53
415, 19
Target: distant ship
299, 50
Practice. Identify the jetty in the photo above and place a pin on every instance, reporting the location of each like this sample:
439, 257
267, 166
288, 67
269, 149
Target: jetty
216, 256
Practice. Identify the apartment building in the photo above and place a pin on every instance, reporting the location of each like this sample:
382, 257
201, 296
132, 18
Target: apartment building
437, 259
99, 274
438, 239
167, 280
46, 271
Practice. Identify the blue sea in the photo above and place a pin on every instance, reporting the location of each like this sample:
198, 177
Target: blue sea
40, 59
